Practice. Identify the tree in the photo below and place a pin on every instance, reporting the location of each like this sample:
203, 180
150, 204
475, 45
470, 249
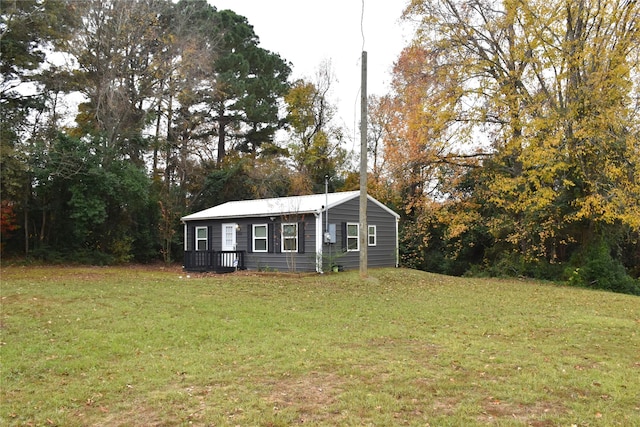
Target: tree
316, 142
28, 30
118, 67
8, 222
553, 87
86, 206
177, 90
191, 84
379, 122
249, 80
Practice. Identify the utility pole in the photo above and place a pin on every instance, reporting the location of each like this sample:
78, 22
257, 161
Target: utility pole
363, 240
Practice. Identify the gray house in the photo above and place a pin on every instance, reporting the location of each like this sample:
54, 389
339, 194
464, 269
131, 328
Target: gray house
299, 233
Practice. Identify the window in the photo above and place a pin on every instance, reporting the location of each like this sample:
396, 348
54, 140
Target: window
372, 235
290, 237
260, 238
201, 238
353, 235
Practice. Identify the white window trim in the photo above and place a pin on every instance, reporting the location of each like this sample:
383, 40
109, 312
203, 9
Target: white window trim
374, 235
265, 238
357, 237
282, 237
205, 238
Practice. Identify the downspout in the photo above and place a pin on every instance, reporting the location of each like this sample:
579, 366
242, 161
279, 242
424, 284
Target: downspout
397, 244
319, 235
185, 236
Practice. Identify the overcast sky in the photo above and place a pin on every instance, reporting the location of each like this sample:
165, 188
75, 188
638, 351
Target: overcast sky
306, 33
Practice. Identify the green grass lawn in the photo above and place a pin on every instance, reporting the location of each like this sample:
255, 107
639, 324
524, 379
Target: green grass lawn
152, 347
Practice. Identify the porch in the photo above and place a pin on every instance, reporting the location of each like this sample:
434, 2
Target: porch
217, 261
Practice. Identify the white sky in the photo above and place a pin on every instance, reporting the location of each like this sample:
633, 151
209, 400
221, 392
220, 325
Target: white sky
307, 33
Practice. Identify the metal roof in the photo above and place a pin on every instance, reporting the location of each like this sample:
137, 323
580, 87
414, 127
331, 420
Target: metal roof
278, 206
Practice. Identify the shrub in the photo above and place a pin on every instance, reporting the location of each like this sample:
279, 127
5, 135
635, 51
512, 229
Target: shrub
51, 255
513, 264
594, 267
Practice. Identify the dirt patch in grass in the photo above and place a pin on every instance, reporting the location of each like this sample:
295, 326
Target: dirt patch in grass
141, 415
248, 273
310, 396
496, 411
445, 406
411, 344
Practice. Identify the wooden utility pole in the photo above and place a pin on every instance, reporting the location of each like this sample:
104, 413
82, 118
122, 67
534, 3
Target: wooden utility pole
363, 240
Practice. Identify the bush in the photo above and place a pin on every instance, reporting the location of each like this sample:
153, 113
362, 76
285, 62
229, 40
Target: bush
121, 250
516, 265
594, 267
50, 255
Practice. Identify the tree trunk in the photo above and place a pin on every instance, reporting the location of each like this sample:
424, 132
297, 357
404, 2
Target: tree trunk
222, 134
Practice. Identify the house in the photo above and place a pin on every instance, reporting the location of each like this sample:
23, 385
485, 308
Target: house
299, 233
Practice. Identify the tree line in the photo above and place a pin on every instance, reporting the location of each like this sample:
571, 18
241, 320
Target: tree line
120, 116
508, 141
511, 140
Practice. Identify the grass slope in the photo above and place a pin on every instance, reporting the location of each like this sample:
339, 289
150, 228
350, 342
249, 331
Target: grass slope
134, 346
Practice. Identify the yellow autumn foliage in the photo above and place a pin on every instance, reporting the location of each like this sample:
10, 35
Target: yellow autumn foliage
542, 97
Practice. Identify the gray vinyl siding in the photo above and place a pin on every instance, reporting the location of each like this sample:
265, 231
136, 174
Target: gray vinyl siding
303, 260
381, 255
214, 233
191, 234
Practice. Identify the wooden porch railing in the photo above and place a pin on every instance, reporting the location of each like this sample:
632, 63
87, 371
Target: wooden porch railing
218, 261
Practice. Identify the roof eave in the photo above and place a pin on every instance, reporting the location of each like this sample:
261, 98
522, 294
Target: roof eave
252, 215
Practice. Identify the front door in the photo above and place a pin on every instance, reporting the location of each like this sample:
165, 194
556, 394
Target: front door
229, 244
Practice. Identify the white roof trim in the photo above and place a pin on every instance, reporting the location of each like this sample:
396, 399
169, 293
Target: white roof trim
279, 206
